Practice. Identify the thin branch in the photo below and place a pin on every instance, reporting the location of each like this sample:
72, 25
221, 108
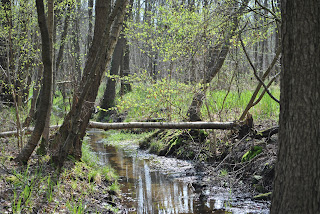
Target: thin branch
270, 11
255, 93
262, 94
255, 72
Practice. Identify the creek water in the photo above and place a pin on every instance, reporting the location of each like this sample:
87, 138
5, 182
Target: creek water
147, 188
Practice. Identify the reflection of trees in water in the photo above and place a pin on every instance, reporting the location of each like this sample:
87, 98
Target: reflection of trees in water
149, 191
146, 190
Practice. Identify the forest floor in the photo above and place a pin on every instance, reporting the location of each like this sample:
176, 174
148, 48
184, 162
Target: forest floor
82, 187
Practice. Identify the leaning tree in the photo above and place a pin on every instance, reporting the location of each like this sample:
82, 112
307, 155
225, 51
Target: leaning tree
108, 22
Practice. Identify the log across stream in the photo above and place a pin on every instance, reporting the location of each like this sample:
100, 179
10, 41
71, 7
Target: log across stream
141, 125
152, 184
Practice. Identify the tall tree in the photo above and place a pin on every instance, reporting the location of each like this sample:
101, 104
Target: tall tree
107, 29
217, 56
297, 180
109, 96
46, 87
119, 65
125, 65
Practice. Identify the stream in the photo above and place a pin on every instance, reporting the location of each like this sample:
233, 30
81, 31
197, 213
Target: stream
152, 184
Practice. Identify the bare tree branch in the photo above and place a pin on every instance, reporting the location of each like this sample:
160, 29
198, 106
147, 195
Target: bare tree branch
255, 72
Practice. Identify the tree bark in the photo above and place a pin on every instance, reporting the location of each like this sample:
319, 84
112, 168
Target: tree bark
125, 67
297, 179
46, 131
109, 96
105, 38
24, 155
90, 7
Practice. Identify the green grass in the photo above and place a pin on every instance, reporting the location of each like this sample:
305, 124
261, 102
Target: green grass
119, 136
90, 161
235, 103
171, 101
33, 183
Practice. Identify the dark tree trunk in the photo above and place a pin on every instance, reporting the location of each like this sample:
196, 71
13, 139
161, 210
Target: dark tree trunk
90, 7
106, 33
108, 100
62, 41
125, 68
76, 43
24, 155
297, 180
36, 89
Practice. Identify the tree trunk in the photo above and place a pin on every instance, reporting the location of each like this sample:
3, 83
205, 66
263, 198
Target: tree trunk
105, 38
90, 7
153, 125
217, 57
125, 67
297, 180
63, 40
24, 155
36, 89
108, 100
46, 130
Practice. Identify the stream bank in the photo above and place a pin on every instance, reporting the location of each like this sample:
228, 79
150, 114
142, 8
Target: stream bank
241, 160
158, 184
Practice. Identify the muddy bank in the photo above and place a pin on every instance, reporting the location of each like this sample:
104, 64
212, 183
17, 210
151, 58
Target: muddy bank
244, 164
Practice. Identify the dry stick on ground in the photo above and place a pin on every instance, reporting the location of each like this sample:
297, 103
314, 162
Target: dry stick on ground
224, 159
255, 93
255, 73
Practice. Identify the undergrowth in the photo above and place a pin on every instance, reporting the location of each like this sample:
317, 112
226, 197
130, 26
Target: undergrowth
170, 101
35, 188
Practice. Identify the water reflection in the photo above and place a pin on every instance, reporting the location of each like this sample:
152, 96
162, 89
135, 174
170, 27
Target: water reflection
145, 190
148, 191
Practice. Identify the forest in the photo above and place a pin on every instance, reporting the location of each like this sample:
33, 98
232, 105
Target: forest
159, 106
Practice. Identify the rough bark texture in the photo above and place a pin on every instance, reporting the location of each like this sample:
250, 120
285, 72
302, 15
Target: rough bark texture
24, 155
297, 180
106, 33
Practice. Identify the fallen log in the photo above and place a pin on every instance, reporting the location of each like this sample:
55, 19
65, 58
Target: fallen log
164, 125
267, 133
144, 125
25, 131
